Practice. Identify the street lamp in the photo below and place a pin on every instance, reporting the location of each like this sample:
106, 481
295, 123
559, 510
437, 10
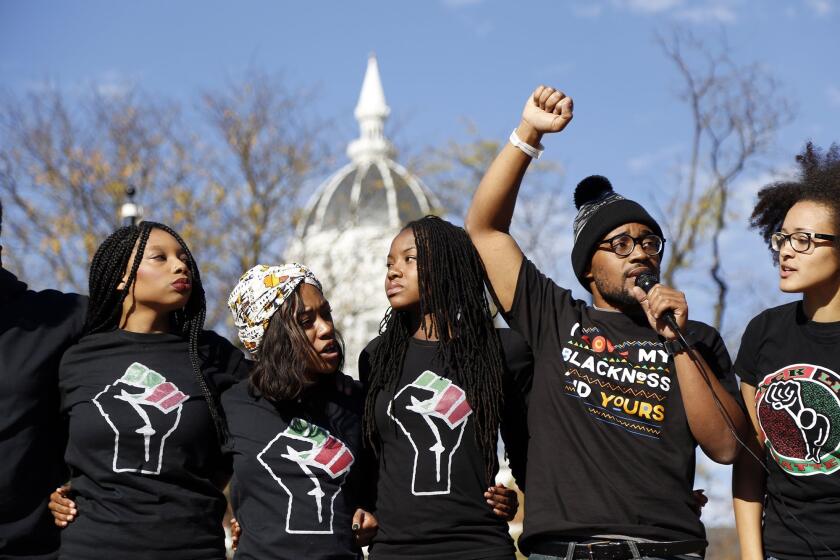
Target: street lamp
130, 213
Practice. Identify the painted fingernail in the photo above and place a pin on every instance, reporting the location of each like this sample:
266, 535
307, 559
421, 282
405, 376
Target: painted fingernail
356, 526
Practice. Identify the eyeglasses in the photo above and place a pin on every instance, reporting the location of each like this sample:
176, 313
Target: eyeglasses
800, 241
623, 244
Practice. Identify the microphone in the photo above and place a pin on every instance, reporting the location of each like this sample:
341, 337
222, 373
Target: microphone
646, 281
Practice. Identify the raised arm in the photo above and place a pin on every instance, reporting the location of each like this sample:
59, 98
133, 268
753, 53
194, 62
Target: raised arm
488, 219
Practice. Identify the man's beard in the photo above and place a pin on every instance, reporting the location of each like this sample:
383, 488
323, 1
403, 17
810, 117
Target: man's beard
616, 296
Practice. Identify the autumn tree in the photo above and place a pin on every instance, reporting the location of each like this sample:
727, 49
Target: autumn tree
267, 150
65, 164
230, 177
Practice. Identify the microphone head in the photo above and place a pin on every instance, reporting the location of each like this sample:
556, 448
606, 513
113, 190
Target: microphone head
647, 280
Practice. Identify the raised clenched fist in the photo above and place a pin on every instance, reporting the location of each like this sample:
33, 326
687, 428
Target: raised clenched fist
548, 110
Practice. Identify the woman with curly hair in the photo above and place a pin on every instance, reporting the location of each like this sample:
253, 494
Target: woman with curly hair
789, 365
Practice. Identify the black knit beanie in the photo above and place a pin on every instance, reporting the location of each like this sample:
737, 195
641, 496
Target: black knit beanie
600, 210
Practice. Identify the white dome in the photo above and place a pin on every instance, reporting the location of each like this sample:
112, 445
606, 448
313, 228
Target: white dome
373, 189
347, 227
378, 192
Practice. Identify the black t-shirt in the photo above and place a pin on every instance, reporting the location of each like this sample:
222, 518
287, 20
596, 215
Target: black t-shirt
516, 385
794, 364
611, 452
146, 466
298, 471
35, 329
431, 476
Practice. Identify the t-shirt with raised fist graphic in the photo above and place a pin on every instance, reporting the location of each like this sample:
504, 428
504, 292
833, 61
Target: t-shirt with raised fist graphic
610, 452
298, 471
147, 470
35, 330
794, 365
431, 473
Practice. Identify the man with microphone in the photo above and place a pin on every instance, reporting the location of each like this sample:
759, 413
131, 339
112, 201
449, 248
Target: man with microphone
620, 399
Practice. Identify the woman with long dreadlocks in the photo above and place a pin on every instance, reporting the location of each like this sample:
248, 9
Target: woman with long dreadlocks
435, 378
140, 391
789, 365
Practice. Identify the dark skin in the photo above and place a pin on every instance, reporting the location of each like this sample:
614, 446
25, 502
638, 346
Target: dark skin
402, 286
63, 508
549, 110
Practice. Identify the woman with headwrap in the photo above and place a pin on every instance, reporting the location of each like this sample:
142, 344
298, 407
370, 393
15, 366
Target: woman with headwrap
296, 438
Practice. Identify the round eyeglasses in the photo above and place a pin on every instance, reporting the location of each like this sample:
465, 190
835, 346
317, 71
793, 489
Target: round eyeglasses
799, 241
623, 244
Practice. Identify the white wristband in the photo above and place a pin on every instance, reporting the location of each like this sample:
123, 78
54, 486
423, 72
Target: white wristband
528, 149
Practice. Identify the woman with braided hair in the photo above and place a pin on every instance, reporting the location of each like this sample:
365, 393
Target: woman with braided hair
789, 365
435, 378
141, 394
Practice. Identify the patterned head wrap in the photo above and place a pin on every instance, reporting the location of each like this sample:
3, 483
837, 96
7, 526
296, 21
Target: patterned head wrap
259, 293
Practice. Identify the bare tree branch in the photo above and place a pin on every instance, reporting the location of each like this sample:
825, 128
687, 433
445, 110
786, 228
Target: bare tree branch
733, 125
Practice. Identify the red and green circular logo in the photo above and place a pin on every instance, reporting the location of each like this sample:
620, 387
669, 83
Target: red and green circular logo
798, 409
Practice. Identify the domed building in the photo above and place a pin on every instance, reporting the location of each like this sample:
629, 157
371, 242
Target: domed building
347, 227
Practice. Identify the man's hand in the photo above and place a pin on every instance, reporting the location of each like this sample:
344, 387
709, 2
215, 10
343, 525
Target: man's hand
364, 527
700, 500
235, 533
547, 110
63, 509
659, 300
503, 501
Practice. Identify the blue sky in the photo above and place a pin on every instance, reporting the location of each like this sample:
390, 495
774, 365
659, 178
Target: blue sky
445, 60
441, 60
